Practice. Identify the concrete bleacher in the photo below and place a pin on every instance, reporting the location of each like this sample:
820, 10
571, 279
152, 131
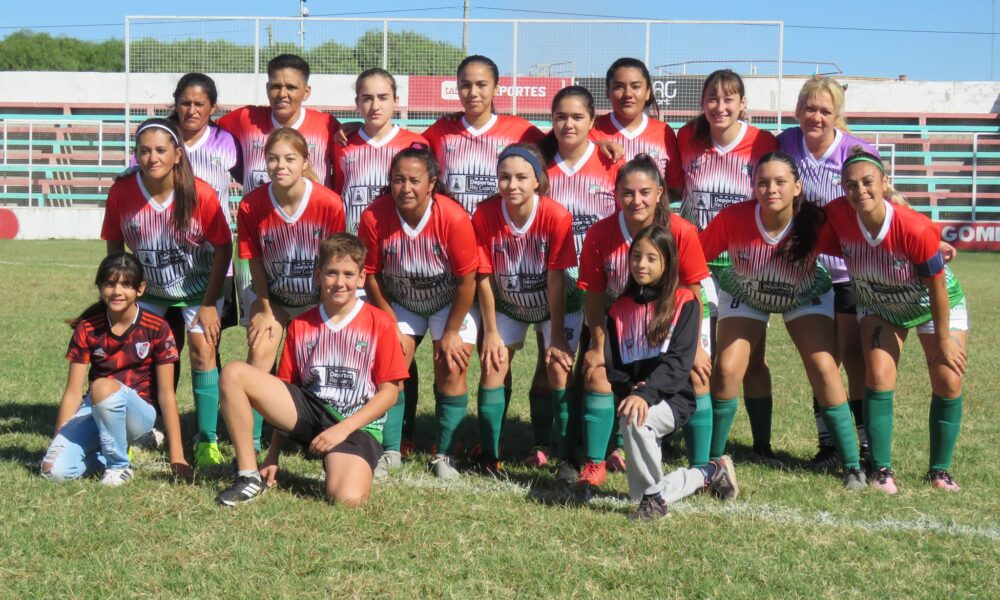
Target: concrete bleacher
947, 165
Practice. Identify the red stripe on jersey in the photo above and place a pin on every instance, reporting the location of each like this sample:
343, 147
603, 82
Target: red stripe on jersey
251, 125
716, 178
176, 266
632, 320
520, 262
604, 258
129, 358
419, 267
288, 245
588, 193
361, 169
468, 157
343, 363
655, 138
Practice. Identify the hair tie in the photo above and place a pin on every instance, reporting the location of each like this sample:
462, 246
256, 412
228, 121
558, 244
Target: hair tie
863, 158
173, 135
520, 152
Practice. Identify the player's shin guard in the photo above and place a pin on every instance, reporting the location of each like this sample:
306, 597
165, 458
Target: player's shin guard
540, 405
205, 385
878, 426
560, 409
759, 410
449, 410
723, 413
945, 422
392, 430
698, 432
491, 412
598, 423
841, 427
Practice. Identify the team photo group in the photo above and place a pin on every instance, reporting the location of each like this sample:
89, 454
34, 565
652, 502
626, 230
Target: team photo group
354, 242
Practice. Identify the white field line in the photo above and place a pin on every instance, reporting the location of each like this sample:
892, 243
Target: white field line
44, 264
778, 515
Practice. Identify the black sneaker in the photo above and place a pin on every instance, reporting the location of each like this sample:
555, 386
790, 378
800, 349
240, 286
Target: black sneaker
723, 482
244, 489
825, 460
650, 508
763, 454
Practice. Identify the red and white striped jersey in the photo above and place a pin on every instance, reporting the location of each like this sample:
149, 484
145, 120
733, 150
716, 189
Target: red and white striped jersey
288, 244
757, 275
361, 168
586, 189
631, 321
251, 125
468, 156
519, 259
177, 265
604, 259
419, 266
343, 363
715, 176
652, 137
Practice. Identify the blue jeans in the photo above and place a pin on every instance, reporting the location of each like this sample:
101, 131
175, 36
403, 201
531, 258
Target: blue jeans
98, 436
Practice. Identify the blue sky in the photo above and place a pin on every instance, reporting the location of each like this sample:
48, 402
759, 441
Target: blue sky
862, 38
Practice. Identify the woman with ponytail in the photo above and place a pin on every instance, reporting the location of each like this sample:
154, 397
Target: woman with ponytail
173, 223
773, 244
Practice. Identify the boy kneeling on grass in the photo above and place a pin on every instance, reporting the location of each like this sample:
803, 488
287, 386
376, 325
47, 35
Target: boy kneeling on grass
339, 373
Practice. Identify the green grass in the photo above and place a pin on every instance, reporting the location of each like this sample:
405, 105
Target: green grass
791, 534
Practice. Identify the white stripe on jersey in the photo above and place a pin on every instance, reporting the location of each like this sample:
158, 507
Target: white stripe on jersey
586, 198
366, 175
616, 271
470, 172
416, 270
716, 180
289, 254
520, 271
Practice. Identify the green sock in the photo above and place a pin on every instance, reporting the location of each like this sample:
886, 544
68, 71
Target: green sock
206, 403
573, 402
258, 427
598, 423
759, 411
491, 411
723, 413
840, 424
449, 410
392, 429
560, 409
698, 432
878, 426
945, 421
540, 404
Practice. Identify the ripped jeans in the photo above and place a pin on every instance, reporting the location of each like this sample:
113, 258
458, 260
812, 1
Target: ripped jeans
98, 436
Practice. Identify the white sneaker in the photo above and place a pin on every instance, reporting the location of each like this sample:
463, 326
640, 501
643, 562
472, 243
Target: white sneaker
151, 440
117, 477
442, 468
389, 461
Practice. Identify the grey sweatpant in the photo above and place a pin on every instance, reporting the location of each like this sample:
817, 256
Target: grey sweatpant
644, 456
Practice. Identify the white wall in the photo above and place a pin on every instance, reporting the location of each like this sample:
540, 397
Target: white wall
864, 95
59, 223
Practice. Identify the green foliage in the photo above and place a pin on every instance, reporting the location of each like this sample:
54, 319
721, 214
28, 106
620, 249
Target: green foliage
409, 52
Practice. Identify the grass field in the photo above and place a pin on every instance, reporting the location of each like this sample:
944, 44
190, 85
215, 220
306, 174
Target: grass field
791, 533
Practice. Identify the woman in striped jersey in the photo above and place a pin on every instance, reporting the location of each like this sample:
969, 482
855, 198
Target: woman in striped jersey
719, 151
773, 244
421, 269
604, 270
582, 179
175, 226
901, 280
467, 148
280, 227
525, 246
629, 88
819, 145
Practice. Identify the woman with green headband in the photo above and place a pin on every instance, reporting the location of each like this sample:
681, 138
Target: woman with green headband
893, 255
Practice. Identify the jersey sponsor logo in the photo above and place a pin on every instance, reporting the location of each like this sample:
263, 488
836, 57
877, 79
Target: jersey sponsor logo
360, 346
267, 239
427, 283
293, 268
716, 201
362, 195
343, 378
524, 282
900, 264
472, 184
99, 353
161, 259
776, 288
215, 159
581, 223
257, 144
142, 349
259, 177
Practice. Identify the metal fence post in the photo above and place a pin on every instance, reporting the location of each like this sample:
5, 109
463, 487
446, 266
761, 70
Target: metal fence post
975, 174
648, 27
385, 44
100, 144
128, 76
781, 70
31, 162
256, 58
514, 74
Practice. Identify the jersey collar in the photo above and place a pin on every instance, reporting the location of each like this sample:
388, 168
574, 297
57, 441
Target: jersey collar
527, 224
739, 138
378, 143
149, 199
478, 132
290, 219
295, 125
882, 233
624, 227
412, 232
198, 143
838, 137
335, 327
625, 132
771, 241
572, 170
128, 330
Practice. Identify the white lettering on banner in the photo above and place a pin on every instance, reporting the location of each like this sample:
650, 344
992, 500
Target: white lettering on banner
522, 91
970, 233
665, 91
449, 90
